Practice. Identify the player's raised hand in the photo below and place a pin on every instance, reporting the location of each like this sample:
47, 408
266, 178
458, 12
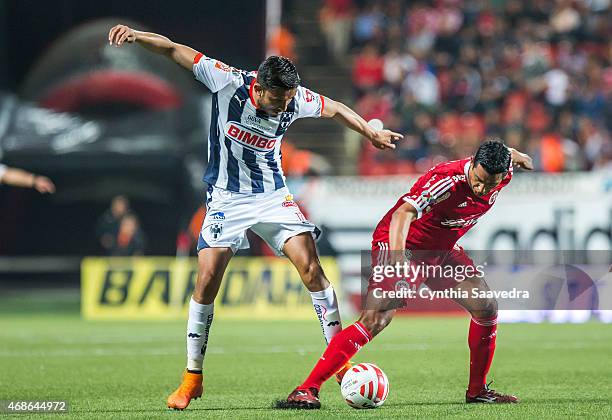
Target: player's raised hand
383, 139
120, 34
522, 160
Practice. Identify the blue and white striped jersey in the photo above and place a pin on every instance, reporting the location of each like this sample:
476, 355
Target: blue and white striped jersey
244, 152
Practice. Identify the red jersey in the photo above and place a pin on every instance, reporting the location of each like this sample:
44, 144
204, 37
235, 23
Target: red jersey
446, 205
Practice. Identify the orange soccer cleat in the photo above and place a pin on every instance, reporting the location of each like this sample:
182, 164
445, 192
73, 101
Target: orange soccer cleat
190, 389
341, 372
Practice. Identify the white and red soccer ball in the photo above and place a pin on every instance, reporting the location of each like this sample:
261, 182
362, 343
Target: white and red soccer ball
365, 386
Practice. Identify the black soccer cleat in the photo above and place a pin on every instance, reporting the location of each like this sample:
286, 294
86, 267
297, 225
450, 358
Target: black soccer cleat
301, 399
489, 396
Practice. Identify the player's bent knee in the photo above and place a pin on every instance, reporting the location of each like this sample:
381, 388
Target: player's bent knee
491, 307
488, 309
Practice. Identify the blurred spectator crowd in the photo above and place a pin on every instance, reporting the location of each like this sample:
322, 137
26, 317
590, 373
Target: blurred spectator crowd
449, 73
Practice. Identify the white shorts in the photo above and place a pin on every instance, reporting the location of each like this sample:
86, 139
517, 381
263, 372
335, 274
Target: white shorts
273, 216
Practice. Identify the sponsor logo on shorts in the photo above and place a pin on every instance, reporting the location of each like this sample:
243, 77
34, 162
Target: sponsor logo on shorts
248, 138
289, 201
216, 230
218, 215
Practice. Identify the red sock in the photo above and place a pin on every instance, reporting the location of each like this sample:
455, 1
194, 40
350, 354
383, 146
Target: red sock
481, 340
341, 348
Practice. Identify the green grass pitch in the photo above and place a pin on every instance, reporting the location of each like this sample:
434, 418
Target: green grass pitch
126, 369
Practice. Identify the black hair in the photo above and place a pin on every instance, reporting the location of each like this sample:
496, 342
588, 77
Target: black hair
494, 156
278, 72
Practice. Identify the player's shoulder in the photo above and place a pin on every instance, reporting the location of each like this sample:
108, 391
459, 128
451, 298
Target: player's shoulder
305, 96
223, 69
307, 103
452, 171
451, 167
441, 179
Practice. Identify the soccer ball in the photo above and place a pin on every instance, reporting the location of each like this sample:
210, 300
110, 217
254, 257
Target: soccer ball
365, 386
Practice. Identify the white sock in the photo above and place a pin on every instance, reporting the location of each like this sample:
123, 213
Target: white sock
198, 327
326, 307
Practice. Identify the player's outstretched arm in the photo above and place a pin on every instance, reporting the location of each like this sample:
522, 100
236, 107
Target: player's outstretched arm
20, 178
522, 160
398, 228
381, 139
181, 54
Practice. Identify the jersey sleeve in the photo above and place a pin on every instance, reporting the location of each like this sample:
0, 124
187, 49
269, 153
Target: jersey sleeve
429, 190
3, 169
213, 73
309, 104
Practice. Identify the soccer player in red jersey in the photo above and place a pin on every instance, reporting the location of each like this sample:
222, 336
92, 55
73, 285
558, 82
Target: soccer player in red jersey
440, 208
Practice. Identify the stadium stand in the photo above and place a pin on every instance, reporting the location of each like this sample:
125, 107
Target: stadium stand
449, 72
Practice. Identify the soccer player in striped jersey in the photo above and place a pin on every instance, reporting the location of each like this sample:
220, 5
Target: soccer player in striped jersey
246, 188
424, 227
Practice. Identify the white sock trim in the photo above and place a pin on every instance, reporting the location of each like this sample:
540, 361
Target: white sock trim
199, 307
323, 294
485, 323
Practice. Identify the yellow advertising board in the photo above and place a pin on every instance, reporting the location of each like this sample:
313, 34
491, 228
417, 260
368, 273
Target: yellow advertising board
160, 288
